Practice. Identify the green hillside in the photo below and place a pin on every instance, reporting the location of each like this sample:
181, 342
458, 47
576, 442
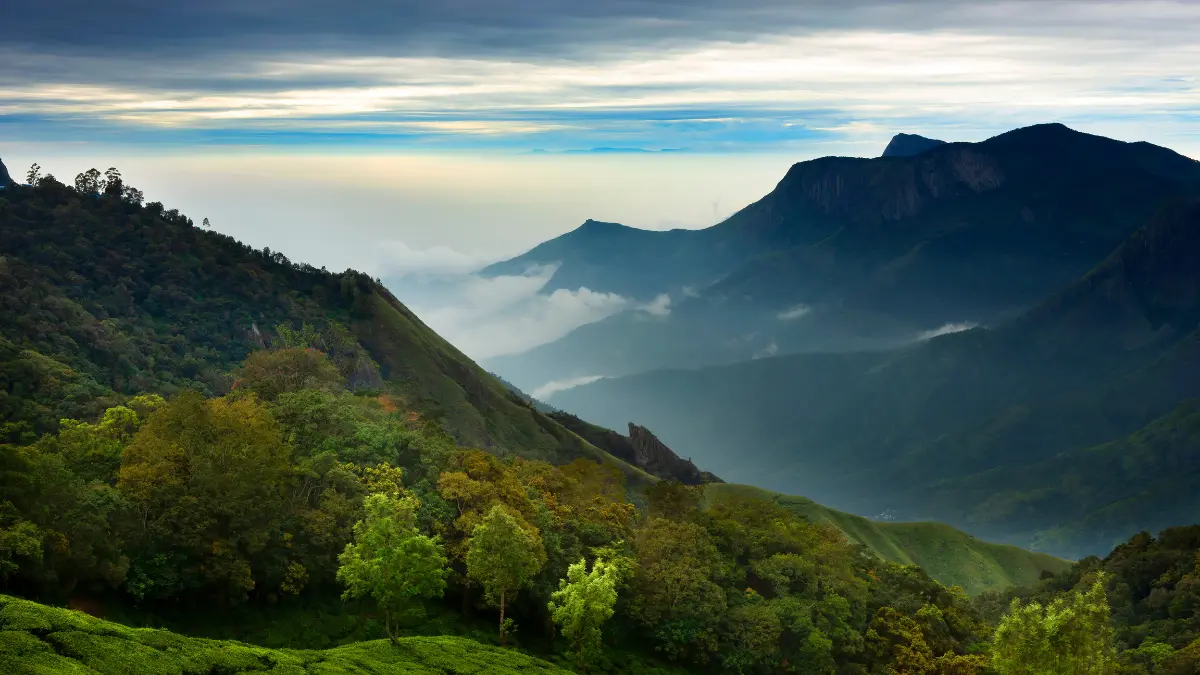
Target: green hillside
36, 639
950, 556
104, 298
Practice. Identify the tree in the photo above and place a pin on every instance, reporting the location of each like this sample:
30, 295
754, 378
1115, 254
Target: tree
35, 172
205, 224
503, 556
895, 644
1069, 636
271, 372
88, 182
113, 186
583, 603
132, 195
208, 482
673, 500
391, 561
678, 597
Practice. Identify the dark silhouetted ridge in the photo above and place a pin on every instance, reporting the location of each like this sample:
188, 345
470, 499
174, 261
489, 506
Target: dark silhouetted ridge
907, 145
5, 179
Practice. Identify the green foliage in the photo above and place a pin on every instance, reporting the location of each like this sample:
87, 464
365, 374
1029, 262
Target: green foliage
207, 480
950, 556
390, 560
1071, 635
270, 373
503, 556
678, 594
583, 603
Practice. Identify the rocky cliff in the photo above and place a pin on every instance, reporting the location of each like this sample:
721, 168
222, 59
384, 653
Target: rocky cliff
655, 457
5, 179
640, 448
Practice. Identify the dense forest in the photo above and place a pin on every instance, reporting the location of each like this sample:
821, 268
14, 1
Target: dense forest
211, 439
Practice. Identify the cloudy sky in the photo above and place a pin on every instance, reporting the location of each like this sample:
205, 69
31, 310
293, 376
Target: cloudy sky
401, 135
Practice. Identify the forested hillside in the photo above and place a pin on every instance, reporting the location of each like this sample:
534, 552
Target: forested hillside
194, 427
105, 297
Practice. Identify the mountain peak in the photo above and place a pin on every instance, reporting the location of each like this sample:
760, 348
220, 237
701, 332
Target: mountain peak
907, 145
5, 179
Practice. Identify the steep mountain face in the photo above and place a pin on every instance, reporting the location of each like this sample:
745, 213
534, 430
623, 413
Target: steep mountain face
104, 298
5, 179
640, 448
907, 145
852, 253
905, 429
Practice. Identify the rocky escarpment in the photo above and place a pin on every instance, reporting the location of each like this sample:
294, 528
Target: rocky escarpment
655, 457
640, 448
5, 179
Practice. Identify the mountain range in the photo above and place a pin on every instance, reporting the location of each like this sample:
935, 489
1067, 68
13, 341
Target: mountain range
105, 299
852, 254
1001, 336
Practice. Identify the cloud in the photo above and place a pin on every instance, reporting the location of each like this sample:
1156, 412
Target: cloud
397, 260
689, 292
766, 352
793, 313
659, 306
547, 390
557, 74
946, 330
487, 317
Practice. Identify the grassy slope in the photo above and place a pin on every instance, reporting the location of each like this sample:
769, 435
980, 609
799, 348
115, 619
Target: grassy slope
478, 408
37, 639
950, 556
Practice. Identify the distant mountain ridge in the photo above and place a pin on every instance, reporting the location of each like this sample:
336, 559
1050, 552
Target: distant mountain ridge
873, 253
975, 428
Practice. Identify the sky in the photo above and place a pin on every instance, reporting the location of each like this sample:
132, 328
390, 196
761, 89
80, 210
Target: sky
411, 137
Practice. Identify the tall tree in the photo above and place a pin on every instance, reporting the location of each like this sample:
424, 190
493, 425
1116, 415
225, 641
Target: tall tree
503, 556
1069, 636
35, 172
391, 561
88, 182
113, 185
583, 603
208, 482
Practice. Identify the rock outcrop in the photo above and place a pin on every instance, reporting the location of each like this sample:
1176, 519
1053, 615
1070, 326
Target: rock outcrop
5, 179
907, 145
640, 448
655, 457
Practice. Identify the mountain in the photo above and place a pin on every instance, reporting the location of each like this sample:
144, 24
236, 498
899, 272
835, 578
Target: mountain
41, 639
104, 298
853, 254
904, 429
614, 258
950, 556
907, 145
5, 179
